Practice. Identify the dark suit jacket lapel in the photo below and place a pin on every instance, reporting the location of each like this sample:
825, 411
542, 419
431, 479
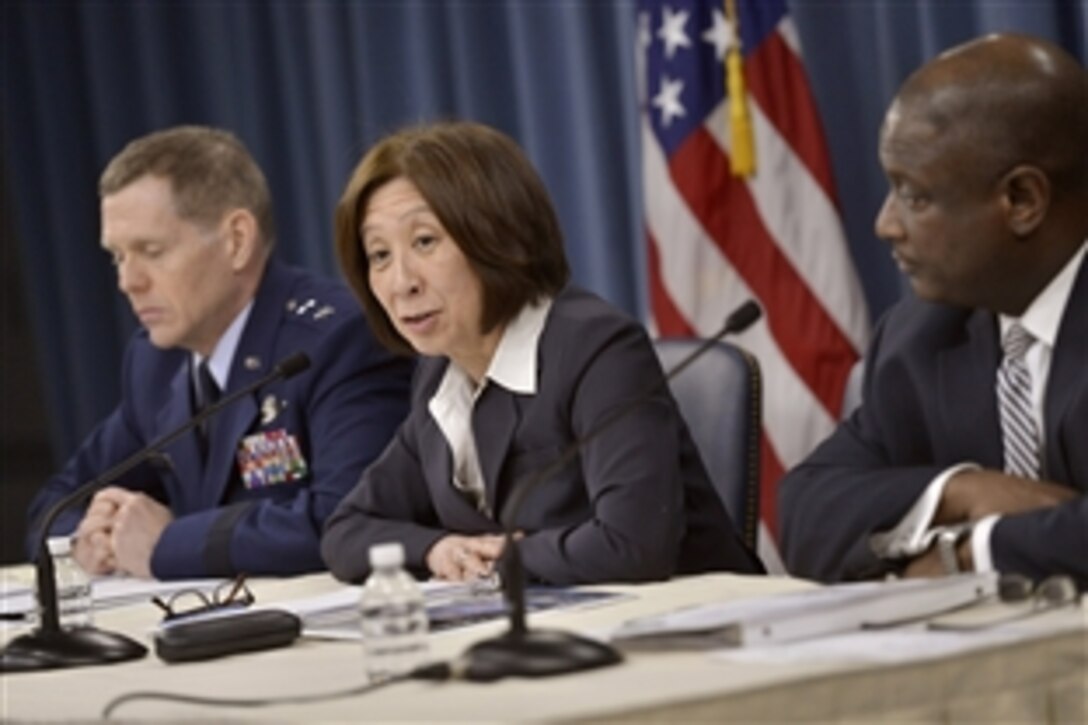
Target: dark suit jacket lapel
457, 513
1068, 369
184, 453
226, 434
493, 421
965, 390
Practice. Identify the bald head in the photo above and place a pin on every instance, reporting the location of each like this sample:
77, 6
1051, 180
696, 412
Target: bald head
1011, 99
986, 153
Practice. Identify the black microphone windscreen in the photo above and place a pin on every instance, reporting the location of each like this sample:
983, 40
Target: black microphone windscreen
293, 365
743, 317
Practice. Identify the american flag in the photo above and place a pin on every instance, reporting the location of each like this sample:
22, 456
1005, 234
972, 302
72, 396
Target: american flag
716, 239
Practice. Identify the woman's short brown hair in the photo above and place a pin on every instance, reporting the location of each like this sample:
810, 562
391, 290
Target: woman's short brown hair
488, 197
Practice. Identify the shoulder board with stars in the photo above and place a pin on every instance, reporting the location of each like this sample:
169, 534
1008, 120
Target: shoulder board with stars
309, 309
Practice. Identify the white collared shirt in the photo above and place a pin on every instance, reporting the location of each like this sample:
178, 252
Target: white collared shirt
914, 533
513, 367
222, 356
1042, 319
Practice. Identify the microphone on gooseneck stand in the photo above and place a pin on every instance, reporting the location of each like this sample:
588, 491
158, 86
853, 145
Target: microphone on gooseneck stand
50, 646
521, 651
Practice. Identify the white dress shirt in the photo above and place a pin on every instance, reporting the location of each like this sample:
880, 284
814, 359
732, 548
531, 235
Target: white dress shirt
513, 367
222, 356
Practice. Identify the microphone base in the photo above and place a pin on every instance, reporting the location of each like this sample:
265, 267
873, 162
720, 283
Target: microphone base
76, 647
535, 653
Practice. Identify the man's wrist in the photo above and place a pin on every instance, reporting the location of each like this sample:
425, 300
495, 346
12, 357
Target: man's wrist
954, 549
957, 494
965, 553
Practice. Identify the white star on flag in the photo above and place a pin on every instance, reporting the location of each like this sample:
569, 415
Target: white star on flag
668, 100
720, 35
672, 31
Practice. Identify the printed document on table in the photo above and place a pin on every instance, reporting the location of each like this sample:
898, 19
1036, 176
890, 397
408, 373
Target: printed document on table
800, 615
911, 643
18, 597
336, 615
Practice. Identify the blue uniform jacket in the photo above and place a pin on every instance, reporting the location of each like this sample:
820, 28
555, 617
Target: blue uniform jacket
341, 411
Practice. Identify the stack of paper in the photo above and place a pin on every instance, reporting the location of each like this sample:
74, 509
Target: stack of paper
17, 600
335, 615
810, 613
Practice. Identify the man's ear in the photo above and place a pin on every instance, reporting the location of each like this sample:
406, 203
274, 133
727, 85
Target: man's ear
244, 243
1025, 198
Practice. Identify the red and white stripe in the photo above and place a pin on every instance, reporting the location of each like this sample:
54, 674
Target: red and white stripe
716, 240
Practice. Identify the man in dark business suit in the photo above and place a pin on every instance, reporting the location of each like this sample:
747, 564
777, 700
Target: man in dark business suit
964, 456
187, 219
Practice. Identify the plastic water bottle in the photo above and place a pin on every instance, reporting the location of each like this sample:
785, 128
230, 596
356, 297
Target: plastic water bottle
394, 616
74, 605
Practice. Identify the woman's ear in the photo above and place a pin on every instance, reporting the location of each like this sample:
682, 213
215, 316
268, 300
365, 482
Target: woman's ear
1025, 198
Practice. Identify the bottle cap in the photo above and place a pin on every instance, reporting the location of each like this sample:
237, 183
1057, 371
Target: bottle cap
59, 545
383, 556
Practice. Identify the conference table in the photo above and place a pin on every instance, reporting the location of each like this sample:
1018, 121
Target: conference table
1039, 678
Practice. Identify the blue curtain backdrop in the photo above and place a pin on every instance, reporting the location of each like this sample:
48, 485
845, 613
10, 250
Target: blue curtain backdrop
309, 85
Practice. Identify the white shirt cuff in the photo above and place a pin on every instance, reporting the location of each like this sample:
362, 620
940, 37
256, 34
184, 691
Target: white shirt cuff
914, 534
980, 543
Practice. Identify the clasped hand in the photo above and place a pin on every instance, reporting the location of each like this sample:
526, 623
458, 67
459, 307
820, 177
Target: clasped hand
974, 494
465, 558
119, 532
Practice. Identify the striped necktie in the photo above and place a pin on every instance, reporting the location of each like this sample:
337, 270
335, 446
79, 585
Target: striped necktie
1018, 425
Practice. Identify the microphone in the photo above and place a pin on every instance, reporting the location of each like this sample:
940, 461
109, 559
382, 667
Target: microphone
542, 653
50, 646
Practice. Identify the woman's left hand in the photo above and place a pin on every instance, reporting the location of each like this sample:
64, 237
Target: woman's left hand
464, 558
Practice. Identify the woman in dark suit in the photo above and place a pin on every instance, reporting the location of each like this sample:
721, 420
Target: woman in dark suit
448, 237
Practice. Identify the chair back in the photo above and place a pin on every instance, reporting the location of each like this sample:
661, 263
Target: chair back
720, 398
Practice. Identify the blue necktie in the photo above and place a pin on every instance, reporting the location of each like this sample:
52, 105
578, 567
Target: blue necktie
205, 393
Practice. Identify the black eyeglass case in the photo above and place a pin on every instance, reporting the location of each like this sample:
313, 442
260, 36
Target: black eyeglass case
206, 639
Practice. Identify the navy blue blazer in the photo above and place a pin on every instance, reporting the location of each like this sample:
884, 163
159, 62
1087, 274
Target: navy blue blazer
636, 504
342, 411
929, 403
